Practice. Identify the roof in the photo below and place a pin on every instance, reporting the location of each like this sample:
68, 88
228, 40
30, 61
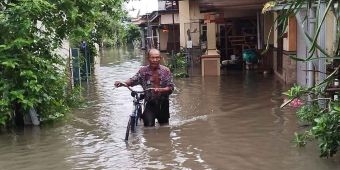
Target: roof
142, 20
215, 5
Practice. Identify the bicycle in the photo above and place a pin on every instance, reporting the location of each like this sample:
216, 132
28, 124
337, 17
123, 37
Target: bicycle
138, 97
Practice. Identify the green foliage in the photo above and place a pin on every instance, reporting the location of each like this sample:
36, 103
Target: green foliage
327, 131
324, 122
133, 33
319, 110
308, 113
121, 34
32, 74
295, 91
178, 65
301, 139
110, 27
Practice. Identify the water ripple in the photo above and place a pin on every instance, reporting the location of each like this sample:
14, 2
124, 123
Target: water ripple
227, 122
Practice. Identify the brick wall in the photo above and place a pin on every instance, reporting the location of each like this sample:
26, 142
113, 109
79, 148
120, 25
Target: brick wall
289, 65
289, 69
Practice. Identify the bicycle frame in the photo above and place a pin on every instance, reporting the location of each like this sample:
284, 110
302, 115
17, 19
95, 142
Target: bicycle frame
137, 111
138, 97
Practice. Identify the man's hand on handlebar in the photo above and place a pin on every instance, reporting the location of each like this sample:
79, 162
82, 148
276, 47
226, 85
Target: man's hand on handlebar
119, 84
157, 90
160, 89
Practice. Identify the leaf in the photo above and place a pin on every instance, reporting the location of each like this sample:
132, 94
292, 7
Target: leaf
17, 94
20, 42
10, 64
28, 74
330, 2
296, 58
3, 46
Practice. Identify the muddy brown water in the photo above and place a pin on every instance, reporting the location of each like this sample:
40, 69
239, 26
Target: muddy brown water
231, 122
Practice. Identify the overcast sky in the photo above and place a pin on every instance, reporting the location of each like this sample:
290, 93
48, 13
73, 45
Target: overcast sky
145, 6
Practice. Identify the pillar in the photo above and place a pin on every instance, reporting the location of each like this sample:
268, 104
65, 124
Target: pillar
211, 59
184, 17
211, 39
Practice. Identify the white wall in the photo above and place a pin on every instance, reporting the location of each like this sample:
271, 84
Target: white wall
330, 32
163, 37
167, 18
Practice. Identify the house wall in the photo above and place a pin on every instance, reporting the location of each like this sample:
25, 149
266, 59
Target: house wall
194, 11
166, 41
167, 19
268, 22
275, 30
267, 58
330, 33
291, 35
163, 40
289, 42
194, 25
189, 19
64, 49
294, 44
325, 40
301, 53
184, 12
288, 74
289, 68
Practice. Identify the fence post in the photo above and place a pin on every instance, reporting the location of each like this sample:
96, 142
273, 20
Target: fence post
75, 66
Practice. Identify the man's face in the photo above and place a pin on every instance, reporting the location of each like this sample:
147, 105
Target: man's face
154, 58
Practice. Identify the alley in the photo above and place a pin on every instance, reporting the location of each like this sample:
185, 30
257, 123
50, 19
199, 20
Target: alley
231, 122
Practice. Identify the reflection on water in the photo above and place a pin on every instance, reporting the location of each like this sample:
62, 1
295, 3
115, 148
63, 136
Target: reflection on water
228, 122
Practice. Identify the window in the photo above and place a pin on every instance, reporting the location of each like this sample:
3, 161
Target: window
203, 36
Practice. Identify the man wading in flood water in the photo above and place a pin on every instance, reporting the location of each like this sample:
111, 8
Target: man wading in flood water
159, 78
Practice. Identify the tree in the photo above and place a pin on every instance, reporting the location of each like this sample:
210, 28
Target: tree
133, 33
316, 108
32, 75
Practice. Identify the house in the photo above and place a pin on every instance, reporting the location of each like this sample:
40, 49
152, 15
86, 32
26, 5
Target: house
295, 43
160, 29
225, 28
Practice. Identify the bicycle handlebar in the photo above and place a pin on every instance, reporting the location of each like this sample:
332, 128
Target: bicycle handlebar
142, 91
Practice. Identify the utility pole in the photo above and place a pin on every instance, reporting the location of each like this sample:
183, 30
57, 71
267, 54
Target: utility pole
148, 33
173, 31
173, 27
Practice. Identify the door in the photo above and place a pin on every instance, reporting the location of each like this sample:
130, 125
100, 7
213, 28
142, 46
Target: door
221, 45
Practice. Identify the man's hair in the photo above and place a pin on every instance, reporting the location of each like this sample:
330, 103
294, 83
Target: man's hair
152, 49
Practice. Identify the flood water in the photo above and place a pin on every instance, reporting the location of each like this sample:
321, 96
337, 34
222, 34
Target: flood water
231, 122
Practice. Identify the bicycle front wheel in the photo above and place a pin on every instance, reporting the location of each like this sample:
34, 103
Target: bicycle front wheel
128, 130
139, 115
133, 122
